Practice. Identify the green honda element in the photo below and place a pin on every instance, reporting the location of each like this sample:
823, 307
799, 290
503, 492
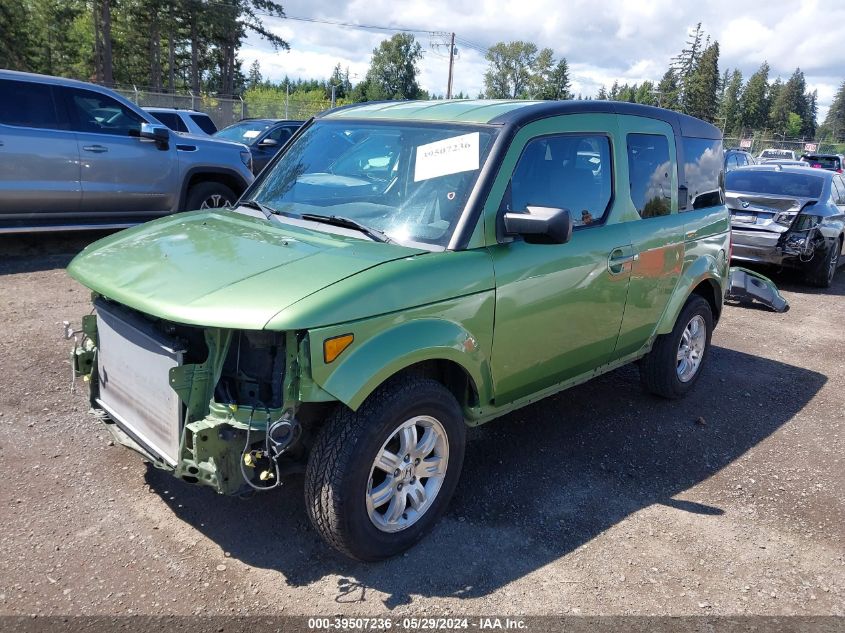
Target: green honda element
400, 271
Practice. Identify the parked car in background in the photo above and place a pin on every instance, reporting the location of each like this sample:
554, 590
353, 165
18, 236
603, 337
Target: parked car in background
788, 216
78, 156
784, 162
264, 137
401, 271
737, 158
831, 162
772, 152
189, 121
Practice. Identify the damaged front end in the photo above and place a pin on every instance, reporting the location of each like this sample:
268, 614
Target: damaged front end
214, 406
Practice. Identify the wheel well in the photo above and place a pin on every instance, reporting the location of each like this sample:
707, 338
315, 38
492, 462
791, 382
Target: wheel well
449, 374
709, 291
201, 175
233, 182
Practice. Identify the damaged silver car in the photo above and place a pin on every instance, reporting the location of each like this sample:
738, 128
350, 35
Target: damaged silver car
788, 216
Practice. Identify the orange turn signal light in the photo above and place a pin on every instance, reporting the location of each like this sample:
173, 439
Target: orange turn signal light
333, 347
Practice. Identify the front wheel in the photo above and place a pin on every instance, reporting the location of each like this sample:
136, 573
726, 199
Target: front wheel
675, 362
209, 195
379, 478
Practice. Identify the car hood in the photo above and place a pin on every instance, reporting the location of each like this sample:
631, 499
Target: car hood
183, 138
222, 269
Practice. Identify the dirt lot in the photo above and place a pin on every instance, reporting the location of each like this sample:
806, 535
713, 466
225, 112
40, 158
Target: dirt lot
602, 500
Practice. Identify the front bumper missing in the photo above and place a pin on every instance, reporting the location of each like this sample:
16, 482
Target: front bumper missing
751, 287
210, 444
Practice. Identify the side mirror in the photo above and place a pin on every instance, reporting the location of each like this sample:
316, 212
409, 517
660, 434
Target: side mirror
157, 133
268, 143
540, 225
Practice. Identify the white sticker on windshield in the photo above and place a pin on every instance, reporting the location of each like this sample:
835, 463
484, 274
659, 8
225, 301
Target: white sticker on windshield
449, 156
251, 133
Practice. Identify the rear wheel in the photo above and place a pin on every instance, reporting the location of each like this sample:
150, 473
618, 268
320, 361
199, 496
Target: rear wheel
379, 478
209, 195
821, 270
676, 360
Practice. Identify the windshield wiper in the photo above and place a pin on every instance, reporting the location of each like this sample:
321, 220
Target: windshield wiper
348, 223
254, 204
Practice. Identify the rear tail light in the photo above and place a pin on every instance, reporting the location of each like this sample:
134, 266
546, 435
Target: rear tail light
839, 171
816, 166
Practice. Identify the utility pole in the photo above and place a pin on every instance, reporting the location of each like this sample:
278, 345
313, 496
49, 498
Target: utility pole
451, 66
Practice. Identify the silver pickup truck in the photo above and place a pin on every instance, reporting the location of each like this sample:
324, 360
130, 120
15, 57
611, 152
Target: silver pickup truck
78, 156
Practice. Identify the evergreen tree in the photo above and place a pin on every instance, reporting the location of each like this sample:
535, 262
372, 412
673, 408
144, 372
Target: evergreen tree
254, 78
645, 94
668, 91
700, 95
729, 104
834, 122
555, 84
753, 105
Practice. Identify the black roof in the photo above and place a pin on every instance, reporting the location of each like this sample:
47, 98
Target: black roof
681, 123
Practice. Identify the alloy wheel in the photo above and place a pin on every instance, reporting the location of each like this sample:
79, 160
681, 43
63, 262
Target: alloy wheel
691, 348
407, 474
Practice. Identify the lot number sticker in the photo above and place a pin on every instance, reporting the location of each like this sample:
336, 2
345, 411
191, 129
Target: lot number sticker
449, 156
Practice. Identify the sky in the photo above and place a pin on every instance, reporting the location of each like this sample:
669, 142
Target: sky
602, 40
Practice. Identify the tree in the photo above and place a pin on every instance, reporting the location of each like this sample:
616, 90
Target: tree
729, 105
555, 84
685, 63
393, 70
254, 78
340, 80
834, 122
645, 94
753, 106
668, 91
699, 98
601, 95
516, 70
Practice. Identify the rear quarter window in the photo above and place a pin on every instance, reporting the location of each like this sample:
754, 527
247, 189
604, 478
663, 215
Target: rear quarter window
204, 122
171, 120
703, 174
650, 174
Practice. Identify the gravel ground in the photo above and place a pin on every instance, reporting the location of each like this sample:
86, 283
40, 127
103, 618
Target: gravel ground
601, 500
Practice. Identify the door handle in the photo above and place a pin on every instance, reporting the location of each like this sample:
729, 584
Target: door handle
616, 262
96, 149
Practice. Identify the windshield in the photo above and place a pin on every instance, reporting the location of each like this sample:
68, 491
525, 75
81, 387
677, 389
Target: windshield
775, 183
409, 181
244, 132
777, 153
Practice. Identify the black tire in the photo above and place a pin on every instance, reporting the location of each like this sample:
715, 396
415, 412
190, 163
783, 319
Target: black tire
659, 369
339, 467
206, 192
821, 270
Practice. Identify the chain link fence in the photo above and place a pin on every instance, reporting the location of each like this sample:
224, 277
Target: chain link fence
755, 145
226, 111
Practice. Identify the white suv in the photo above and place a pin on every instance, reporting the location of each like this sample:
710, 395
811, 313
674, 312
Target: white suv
189, 121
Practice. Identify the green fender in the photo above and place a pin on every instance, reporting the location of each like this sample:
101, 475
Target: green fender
702, 269
358, 371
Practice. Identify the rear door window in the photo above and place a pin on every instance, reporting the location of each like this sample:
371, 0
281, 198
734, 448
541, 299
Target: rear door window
204, 122
650, 174
703, 172
28, 104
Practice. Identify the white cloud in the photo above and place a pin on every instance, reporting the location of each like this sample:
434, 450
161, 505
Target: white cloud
603, 41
